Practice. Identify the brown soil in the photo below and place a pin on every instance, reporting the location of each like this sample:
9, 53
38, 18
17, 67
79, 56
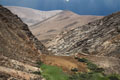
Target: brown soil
65, 62
110, 64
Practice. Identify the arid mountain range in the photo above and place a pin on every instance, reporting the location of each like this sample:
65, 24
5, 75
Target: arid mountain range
57, 41
100, 37
98, 40
51, 23
64, 21
32, 16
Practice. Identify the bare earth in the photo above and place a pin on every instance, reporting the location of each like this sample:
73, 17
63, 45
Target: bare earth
65, 62
65, 20
32, 16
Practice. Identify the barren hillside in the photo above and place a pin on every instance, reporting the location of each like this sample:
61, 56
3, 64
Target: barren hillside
24, 57
32, 16
100, 37
98, 41
66, 20
19, 49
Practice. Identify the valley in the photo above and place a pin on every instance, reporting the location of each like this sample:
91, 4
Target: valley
47, 25
62, 46
65, 62
64, 21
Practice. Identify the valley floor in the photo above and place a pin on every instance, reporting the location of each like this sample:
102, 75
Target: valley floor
110, 64
65, 62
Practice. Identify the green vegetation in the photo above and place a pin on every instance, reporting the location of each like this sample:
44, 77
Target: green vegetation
92, 67
52, 72
56, 73
95, 73
82, 60
37, 72
74, 70
88, 76
94, 76
114, 77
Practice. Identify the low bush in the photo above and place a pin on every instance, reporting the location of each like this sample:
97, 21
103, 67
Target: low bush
95, 73
90, 65
74, 70
88, 76
37, 72
114, 77
82, 60
39, 63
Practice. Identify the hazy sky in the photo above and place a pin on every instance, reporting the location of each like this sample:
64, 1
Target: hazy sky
84, 7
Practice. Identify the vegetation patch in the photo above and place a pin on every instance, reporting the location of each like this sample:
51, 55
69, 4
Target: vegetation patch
82, 59
114, 77
94, 76
53, 72
74, 70
88, 76
92, 67
37, 72
39, 63
95, 73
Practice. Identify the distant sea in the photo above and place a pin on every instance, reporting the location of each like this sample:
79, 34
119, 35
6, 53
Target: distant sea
82, 7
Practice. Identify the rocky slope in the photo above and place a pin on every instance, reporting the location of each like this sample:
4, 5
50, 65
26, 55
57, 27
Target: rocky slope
98, 41
101, 37
65, 20
32, 16
19, 49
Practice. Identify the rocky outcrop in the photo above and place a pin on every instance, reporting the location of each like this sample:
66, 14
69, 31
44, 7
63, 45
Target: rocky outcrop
19, 49
101, 37
15, 37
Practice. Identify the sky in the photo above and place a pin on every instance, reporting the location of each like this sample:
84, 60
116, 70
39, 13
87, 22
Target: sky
82, 7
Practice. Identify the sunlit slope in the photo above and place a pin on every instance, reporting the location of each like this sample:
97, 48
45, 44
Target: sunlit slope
31, 16
66, 20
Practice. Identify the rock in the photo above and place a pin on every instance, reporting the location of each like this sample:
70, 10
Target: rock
99, 37
19, 49
118, 28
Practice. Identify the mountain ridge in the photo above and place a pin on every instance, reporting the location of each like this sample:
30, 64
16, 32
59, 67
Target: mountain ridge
64, 20
32, 16
58, 21
85, 38
21, 52
98, 41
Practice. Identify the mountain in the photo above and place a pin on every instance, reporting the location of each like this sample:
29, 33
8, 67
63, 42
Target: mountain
24, 57
65, 20
98, 41
100, 37
45, 25
32, 16
19, 49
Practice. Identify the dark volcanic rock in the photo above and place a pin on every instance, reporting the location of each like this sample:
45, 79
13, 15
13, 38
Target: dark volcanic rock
101, 37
